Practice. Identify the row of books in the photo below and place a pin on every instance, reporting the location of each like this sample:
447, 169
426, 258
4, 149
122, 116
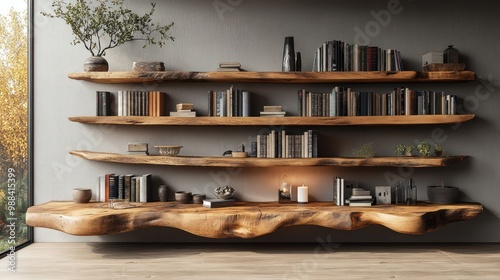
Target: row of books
140, 103
346, 194
343, 101
130, 103
336, 55
130, 187
282, 144
230, 103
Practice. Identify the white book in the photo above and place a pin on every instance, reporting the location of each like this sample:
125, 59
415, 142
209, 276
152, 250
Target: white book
145, 185
342, 192
101, 196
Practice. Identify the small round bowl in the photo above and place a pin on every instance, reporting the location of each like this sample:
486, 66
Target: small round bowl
81, 195
198, 198
169, 150
183, 197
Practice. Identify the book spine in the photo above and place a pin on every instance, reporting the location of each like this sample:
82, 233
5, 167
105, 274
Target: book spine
246, 105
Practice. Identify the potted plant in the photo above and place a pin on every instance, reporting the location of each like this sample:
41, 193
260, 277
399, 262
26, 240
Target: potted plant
424, 149
442, 194
438, 150
365, 151
406, 150
106, 25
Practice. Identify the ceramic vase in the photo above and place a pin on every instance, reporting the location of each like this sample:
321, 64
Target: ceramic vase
288, 55
96, 64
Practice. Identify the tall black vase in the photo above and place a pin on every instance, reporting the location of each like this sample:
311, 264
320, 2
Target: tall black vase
288, 55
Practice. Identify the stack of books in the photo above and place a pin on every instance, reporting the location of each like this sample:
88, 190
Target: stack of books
184, 110
272, 111
229, 67
360, 197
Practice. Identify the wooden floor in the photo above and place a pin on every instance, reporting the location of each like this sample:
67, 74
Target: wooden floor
255, 261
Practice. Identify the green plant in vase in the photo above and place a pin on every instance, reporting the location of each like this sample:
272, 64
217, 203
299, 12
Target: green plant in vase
101, 25
365, 151
424, 149
438, 150
404, 150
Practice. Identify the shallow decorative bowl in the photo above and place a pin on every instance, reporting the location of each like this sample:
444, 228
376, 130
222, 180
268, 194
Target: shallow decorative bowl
224, 192
169, 150
198, 198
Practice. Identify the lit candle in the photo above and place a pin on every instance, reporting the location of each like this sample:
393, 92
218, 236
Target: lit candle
302, 194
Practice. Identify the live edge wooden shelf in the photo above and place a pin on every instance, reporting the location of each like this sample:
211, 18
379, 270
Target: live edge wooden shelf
244, 219
268, 162
285, 121
136, 77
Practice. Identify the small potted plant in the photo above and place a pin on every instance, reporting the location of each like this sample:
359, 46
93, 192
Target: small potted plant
106, 25
404, 150
438, 150
424, 149
365, 151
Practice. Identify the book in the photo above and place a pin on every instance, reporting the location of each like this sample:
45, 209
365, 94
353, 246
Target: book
184, 106
215, 202
272, 114
231, 64
361, 203
273, 108
183, 114
145, 188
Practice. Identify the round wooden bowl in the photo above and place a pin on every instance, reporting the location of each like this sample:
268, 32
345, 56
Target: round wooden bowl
169, 150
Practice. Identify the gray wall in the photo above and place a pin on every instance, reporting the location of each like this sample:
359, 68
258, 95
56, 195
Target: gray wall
252, 32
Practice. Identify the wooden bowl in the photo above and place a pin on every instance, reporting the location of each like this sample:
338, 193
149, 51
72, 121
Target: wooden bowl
183, 197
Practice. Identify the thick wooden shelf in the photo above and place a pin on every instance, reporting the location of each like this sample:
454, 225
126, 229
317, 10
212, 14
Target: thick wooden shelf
285, 121
245, 219
134, 77
267, 162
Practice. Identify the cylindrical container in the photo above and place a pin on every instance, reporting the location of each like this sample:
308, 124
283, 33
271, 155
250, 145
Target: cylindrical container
450, 55
198, 198
302, 194
163, 193
288, 55
411, 193
298, 62
400, 194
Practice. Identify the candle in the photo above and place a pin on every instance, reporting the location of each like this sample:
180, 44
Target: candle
302, 194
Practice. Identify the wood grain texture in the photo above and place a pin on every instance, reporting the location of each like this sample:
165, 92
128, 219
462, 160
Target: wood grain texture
244, 77
287, 121
267, 162
245, 219
272, 77
323, 259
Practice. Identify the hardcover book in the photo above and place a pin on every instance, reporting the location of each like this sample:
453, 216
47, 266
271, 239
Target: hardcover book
215, 203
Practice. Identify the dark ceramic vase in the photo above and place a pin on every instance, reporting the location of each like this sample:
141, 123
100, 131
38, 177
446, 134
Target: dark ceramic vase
96, 64
442, 195
288, 55
163, 193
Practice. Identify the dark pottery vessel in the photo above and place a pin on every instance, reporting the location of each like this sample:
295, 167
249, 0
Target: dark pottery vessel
442, 195
163, 193
183, 197
288, 55
96, 64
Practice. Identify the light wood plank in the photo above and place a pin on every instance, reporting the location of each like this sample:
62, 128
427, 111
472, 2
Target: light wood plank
285, 121
267, 162
244, 77
245, 219
229, 261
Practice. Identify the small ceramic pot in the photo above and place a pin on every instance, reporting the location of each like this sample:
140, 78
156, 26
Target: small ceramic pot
163, 193
198, 198
442, 195
81, 195
183, 197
